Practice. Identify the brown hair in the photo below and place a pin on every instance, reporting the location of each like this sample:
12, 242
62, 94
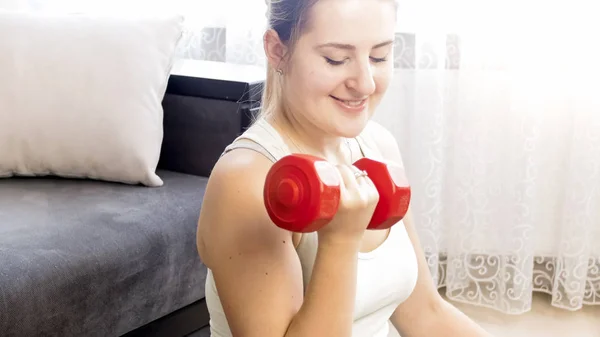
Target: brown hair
289, 18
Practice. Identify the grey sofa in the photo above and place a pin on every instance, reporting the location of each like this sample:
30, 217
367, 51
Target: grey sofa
92, 258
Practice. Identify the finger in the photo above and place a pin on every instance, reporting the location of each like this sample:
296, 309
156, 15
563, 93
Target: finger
366, 184
361, 177
348, 177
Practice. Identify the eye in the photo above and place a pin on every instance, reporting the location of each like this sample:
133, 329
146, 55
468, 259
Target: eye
378, 60
333, 62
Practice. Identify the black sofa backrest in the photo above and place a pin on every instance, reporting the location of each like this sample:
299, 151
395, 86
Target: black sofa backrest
206, 106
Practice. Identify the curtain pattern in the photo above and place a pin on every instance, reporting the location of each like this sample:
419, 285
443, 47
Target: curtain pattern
498, 121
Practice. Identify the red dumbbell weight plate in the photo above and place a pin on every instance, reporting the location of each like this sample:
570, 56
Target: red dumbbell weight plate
394, 192
302, 193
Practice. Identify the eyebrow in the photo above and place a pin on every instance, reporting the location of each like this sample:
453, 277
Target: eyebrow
351, 47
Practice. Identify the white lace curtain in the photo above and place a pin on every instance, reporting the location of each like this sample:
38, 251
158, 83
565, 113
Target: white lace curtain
495, 107
496, 110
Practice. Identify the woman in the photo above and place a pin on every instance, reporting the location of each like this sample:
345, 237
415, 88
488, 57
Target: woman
329, 64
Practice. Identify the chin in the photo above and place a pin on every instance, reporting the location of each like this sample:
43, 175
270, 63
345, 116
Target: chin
350, 120
351, 127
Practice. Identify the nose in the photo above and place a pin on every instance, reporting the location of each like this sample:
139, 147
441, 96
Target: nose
362, 80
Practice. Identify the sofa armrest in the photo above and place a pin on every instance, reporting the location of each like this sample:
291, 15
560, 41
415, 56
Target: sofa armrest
206, 105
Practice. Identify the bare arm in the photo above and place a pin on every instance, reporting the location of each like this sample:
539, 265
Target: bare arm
255, 265
425, 312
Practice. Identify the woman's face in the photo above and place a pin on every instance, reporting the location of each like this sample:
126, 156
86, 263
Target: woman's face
342, 64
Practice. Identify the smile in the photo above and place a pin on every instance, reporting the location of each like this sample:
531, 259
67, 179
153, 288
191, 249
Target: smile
353, 105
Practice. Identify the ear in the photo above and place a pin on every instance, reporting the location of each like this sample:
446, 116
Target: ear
275, 50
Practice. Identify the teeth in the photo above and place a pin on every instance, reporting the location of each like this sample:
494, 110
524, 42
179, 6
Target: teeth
352, 103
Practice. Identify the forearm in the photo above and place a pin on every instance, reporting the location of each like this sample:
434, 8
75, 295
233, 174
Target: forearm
453, 322
328, 305
446, 321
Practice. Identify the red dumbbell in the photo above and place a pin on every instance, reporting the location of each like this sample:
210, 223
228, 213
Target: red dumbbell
302, 192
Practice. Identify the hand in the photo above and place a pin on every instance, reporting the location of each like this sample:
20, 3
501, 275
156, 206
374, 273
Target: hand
358, 199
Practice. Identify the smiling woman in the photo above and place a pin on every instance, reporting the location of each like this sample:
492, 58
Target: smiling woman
329, 65
326, 52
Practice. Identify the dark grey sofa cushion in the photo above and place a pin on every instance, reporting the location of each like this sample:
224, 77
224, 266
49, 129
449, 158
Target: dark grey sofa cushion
90, 258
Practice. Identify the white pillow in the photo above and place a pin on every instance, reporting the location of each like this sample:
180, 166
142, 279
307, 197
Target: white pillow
80, 95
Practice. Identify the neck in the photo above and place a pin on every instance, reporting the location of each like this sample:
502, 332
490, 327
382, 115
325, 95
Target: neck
302, 136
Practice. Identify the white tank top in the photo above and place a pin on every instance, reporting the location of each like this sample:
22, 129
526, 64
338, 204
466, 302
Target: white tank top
386, 276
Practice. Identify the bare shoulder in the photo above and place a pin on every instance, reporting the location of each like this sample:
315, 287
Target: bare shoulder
233, 213
253, 262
